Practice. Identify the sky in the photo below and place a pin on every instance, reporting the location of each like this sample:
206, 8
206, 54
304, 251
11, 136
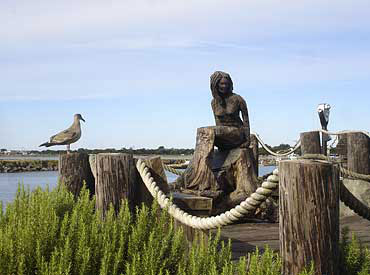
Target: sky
138, 71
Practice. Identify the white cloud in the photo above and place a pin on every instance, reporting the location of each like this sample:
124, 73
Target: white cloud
207, 19
76, 49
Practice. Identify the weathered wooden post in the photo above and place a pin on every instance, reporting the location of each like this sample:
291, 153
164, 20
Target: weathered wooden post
227, 170
115, 180
342, 149
191, 204
74, 170
358, 151
254, 147
156, 170
310, 143
309, 216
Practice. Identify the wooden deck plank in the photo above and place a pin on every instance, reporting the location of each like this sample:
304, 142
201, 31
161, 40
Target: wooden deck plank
247, 236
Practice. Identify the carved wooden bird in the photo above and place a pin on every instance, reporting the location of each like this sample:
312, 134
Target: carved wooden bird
324, 111
68, 136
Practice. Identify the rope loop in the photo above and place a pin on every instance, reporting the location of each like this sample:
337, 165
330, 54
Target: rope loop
248, 206
295, 148
172, 170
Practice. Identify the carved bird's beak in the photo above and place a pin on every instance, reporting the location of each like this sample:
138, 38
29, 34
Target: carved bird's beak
83, 119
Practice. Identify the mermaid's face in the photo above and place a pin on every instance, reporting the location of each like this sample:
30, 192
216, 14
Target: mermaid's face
224, 86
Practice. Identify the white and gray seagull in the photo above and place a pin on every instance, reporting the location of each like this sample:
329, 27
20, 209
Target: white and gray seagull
68, 136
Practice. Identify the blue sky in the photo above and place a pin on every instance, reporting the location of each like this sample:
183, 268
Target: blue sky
138, 71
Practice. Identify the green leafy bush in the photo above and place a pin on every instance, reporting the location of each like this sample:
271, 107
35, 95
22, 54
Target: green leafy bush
49, 232
354, 258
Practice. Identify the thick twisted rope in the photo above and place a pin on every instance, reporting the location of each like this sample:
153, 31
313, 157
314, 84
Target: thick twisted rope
353, 203
344, 171
315, 157
345, 195
172, 170
354, 175
295, 148
343, 132
298, 144
246, 207
250, 204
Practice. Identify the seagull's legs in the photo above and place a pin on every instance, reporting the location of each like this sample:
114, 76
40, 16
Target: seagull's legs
68, 148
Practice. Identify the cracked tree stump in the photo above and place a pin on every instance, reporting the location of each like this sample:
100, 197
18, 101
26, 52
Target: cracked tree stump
254, 148
157, 171
309, 216
358, 152
310, 143
226, 176
74, 170
115, 180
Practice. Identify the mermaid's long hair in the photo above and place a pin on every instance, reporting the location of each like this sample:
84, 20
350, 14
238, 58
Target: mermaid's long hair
215, 79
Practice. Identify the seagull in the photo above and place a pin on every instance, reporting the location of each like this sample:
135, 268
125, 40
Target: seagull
324, 111
68, 136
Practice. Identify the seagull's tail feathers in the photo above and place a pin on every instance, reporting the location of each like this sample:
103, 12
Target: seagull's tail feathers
46, 144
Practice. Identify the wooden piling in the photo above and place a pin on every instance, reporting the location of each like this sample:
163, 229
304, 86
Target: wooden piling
157, 171
197, 206
115, 180
341, 149
358, 151
310, 143
309, 216
324, 142
74, 170
254, 146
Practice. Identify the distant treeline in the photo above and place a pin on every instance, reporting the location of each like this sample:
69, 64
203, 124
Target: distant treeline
161, 150
280, 148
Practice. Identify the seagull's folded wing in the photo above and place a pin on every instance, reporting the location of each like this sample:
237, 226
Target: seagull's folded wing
64, 137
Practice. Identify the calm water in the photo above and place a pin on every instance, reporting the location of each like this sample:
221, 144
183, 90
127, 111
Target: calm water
9, 181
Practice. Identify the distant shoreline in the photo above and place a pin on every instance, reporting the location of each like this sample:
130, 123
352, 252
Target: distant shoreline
56, 157
28, 163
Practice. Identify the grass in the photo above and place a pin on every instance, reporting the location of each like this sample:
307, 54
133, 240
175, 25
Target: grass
49, 232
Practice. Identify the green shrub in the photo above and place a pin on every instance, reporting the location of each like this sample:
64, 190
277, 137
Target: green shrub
49, 232
354, 258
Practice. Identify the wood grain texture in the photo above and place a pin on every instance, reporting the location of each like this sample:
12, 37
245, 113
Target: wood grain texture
242, 175
245, 237
74, 170
342, 149
142, 194
309, 216
226, 176
199, 175
254, 147
157, 171
116, 180
358, 151
310, 143
192, 203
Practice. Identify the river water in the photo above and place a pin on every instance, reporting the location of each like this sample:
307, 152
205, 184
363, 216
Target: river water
9, 181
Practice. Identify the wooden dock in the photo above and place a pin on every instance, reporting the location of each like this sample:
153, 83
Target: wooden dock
245, 237
309, 194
